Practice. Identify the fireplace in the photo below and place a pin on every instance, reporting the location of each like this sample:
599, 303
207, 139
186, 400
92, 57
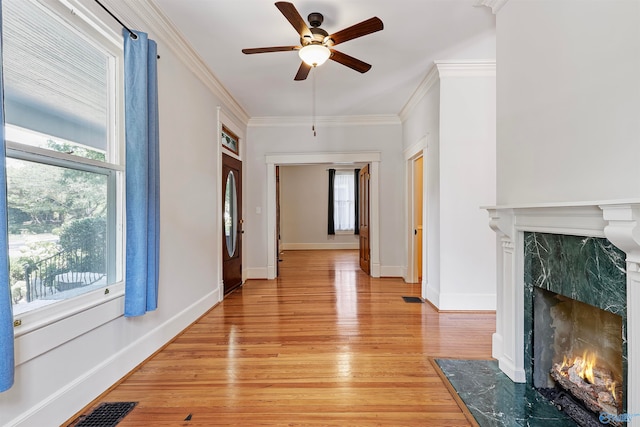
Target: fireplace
577, 350
569, 295
575, 305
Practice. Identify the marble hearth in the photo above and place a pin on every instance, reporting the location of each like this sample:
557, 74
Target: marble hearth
617, 222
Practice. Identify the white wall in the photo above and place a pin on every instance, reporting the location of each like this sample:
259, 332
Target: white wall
455, 120
53, 386
467, 181
383, 136
568, 100
303, 210
422, 126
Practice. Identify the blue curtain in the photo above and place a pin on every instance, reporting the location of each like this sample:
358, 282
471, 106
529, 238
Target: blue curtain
6, 311
142, 174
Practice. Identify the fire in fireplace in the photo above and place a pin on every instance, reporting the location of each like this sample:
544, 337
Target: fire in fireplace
577, 349
591, 383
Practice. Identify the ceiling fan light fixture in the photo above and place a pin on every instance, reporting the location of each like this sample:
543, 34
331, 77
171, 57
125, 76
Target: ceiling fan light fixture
314, 54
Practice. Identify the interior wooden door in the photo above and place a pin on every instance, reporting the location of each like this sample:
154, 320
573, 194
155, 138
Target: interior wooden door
231, 223
277, 221
363, 220
417, 215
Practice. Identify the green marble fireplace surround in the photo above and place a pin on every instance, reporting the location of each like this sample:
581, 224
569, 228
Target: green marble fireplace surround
589, 270
587, 252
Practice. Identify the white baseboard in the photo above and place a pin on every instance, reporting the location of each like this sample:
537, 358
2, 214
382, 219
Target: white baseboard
318, 246
71, 398
433, 295
257, 273
392, 271
497, 346
467, 302
507, 366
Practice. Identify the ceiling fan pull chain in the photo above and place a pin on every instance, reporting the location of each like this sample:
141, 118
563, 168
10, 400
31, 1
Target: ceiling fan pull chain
313, 102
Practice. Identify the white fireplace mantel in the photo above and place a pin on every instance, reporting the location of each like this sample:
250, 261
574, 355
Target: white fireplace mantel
617, 220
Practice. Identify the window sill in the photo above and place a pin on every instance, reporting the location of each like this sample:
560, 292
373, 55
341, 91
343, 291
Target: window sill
42, 330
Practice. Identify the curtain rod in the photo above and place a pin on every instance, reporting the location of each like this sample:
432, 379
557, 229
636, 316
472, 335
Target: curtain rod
116, 18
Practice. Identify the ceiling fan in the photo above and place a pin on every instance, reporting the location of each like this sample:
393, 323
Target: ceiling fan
316, 45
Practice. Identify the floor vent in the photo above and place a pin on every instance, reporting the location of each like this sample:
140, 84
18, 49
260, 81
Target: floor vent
107, 414
413, 299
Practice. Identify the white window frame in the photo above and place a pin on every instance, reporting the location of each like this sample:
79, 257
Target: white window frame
352, 230
40, 330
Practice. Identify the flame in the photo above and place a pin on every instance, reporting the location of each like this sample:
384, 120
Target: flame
583, 365
612, 389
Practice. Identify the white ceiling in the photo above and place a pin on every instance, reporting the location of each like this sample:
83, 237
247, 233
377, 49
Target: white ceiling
416, 33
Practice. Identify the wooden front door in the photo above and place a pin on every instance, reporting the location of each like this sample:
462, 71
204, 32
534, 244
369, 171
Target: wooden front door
363, 219
231, 223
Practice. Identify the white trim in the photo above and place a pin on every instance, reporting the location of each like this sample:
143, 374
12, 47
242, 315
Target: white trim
617, 220
479, 68
318, 246
147, 15
421, 91
257, 273
34, 320
238, 129
217, 217
42, 329
432, 294
34, 339
415, 150
570, 205
411, 154
509, 367
326, 121
467, 302
373, 158
374, 218
494, 5
312, 158
392, 271
73, 396
484, 67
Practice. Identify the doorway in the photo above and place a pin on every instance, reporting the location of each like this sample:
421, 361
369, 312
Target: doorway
416, 213
231, 223
372, 158
418, 195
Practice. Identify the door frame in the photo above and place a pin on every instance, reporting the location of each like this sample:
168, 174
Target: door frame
419, 149
232, 163
235, 127
273, 160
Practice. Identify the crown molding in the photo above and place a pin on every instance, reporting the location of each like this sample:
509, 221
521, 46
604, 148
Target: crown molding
421, 91
494, 5
146, 16
480, 68
474, 68
326, 121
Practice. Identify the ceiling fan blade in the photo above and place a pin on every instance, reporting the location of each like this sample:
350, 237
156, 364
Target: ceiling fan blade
369, 26
270, 49
349, 61
291, 13
303, 71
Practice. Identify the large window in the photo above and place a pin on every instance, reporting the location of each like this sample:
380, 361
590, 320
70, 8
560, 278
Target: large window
63, 157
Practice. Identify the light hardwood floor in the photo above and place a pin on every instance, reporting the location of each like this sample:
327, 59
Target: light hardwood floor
323, 345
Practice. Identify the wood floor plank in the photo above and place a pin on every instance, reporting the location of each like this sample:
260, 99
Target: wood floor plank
322, 345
